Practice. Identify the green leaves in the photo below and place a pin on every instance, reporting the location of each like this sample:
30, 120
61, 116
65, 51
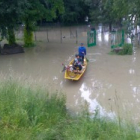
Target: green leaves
114, 11
27, 11
75, 11
43, 9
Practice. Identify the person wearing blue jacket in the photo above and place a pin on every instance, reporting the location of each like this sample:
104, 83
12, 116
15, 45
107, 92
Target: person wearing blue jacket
82, 52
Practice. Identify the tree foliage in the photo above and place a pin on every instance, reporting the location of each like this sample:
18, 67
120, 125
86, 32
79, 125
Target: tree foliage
13, 12
38, 10
10, 15
75, 12
115, 11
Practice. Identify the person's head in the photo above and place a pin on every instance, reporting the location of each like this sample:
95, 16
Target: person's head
77, 55
82, 44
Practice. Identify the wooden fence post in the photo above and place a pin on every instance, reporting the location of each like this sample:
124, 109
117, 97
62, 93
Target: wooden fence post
35, 35
60, 34
76, 37
47, 34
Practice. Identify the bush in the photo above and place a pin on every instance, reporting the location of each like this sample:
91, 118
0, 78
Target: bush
127, 49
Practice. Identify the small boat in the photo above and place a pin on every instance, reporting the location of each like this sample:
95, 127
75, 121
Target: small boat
71, 75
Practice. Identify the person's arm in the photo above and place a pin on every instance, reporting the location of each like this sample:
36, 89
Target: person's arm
85, 51
79, 50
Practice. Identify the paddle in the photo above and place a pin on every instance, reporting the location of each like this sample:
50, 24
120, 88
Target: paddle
64, 67
87, 59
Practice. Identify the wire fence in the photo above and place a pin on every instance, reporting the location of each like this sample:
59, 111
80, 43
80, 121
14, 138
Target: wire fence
58, 34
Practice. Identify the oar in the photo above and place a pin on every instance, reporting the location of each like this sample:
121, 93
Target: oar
87, 59
64, 67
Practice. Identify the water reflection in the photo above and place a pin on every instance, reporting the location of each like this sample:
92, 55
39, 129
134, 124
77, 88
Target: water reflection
134, 59
131, 71
106, 37
61, 84
100, 28
93, 103
55, 78
138, 100
99, 37
134, 90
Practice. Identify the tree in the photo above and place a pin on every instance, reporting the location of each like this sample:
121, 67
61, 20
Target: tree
75, 11
37, 10
10, 13
109, 16
13, 12
95, 10
129, 12
101, 11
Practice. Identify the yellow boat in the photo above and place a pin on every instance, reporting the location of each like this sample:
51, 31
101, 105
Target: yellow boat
69, 74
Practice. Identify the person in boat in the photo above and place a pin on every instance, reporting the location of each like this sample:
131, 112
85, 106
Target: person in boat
82, 52
77, 64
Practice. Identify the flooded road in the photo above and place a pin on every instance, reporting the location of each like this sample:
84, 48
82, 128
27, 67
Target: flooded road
111, 82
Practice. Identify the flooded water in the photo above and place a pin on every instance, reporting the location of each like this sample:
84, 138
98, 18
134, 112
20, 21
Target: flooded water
111, 82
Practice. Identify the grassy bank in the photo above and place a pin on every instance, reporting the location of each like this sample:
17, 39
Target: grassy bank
27, 114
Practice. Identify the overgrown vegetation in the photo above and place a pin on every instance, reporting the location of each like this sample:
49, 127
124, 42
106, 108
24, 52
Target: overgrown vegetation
126, 49
28, 35
27, 114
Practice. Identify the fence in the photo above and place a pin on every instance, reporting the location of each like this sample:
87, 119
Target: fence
55, 33
58, 34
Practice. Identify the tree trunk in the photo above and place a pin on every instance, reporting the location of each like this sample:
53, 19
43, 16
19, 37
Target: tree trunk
28, 34
110, 27
11, 36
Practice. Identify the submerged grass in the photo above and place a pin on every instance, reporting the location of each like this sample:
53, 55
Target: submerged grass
27, 114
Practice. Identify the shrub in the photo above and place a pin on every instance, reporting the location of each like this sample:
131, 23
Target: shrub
127, 49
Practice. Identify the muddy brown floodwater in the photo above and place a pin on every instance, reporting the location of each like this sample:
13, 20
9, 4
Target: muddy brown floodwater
111, 82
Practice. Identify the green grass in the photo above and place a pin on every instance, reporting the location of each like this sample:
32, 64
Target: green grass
99, 129
27, 114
